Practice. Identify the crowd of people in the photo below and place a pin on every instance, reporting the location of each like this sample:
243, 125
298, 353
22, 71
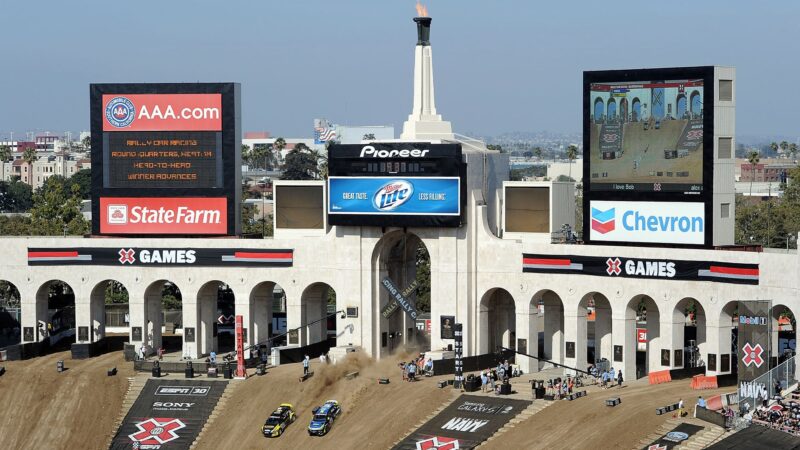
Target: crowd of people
492, 378
417, 365
783, 416
607, 378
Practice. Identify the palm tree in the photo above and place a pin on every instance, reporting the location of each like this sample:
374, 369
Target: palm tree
774, 147
784, 146
537, 152
754, 158
5, 156
29, 156
793, 149
572, 153
279, 145
246, 154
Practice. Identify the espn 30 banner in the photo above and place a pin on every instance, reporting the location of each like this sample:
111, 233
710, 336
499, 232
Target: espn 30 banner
664, 269
151, 256
754, 323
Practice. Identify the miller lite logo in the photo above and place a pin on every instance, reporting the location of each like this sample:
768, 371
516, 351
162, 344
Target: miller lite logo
392, 194
120, 112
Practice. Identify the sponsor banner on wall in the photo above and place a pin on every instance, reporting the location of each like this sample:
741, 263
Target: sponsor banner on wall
663, 269
754, 323
674, 438
648, 222
163, 215
157, 256
168, 415
464, 424
436, 196
162, 112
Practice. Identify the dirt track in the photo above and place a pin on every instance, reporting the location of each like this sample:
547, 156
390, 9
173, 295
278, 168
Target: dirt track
374, 416
587, 423
44, 409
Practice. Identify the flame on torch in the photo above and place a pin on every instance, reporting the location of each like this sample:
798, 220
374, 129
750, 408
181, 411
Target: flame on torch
422, 11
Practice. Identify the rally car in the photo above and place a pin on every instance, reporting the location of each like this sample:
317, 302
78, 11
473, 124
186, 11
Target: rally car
323, 418
277, 422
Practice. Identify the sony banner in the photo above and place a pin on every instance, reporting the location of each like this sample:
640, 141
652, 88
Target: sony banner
754, 324
648, 222
465, 424
662, 269
168, 415
158, 256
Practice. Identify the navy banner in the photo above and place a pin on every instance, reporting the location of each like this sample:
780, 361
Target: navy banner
666, 269
140, 256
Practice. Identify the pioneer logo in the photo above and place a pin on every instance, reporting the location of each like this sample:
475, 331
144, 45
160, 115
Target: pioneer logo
371, 151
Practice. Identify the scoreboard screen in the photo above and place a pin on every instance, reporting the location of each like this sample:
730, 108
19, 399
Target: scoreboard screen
178, 159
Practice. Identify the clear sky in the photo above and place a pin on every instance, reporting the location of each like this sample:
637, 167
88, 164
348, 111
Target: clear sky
499, 65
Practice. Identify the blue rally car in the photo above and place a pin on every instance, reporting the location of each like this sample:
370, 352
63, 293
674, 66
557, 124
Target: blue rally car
323, 418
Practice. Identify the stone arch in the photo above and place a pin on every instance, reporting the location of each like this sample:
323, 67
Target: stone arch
315, 313
497, 321
594, 329
696, 103
636, 107
394, 256
119, 313
150, 330
689, 333
681, 106
599, 110
59, 326
623, 109
642, 312
216, 313
268, 314
10, 309
611, 109
727, 332
784, 329
551, 317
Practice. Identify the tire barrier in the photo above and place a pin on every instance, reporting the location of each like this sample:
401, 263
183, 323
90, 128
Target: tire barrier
666, 409
613, 401
576, 395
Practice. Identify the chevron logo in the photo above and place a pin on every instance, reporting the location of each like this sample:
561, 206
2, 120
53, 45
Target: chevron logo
603, 221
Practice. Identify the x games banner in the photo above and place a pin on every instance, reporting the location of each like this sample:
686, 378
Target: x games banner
665, 269
754, 324
140, 256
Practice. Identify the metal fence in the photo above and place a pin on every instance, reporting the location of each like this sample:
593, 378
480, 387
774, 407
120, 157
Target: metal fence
119, 317
762, 388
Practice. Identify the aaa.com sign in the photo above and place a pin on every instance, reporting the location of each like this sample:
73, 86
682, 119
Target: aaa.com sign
163, 215
162, 112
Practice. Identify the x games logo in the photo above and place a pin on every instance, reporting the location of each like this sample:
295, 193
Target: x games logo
127, 256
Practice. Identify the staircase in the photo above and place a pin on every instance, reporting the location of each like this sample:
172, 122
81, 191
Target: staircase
524, 415
135, 385
455, 395
230, 388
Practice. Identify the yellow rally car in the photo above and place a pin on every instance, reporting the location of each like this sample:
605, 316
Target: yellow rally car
277, 422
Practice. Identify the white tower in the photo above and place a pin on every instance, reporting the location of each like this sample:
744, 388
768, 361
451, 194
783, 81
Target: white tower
424, 123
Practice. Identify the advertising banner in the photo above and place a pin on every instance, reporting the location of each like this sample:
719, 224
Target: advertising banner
241, 372
168, 415
437, 196
162, 112
466, 423
397, 296
163, 215
651, 222
159, 256
754, 324
663, 269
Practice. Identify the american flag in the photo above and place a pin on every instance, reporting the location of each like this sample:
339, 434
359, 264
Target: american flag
323, 131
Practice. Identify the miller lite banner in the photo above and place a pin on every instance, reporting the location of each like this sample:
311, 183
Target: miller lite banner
754, 325
166, 159
151, 256
623, 267
394, 196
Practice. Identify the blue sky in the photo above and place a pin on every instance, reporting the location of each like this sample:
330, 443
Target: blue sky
499, 65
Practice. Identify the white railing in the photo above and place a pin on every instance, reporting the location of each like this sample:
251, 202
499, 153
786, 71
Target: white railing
762, 388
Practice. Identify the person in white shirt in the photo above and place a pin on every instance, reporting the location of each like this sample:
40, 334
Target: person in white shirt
306, 362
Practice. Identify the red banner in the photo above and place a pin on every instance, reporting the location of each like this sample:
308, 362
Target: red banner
241, 371
641, 335
163, 215
162, 112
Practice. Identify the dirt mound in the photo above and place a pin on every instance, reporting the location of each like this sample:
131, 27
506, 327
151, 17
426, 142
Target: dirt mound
42, 408
588, 423
373, 415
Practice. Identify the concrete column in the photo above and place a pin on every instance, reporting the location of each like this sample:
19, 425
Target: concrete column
575, 333
527, 329
97, 307
624, 334
603, 339
83, 318
655, 342
151, 320
33, 311
295, 317
672, 326
260, 316
554, 330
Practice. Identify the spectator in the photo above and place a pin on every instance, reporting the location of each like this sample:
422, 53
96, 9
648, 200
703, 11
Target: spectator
412, 371
212, 357
306, 362
492, 378
484, 381
619, 378
403, 369
680, 408
506, 368
322, 358
701, 403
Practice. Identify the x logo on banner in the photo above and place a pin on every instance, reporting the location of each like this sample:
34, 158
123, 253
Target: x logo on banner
127, 256
613, 266
752, 355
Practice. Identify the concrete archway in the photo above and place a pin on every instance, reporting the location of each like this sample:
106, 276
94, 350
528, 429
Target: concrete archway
695, 103
108, 302
551, 324
216, 313
784, 331
55, 312
636, 106
689, 334
641, 313
268, 314
396, 257
681, 107
317, 302
611, 109
10, 326
162, 318
497, 319
599, 110
594, 328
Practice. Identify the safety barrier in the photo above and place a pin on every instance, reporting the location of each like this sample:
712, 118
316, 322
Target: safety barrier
662, 376
704, 382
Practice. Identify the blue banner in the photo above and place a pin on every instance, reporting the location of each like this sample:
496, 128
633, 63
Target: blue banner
437, 196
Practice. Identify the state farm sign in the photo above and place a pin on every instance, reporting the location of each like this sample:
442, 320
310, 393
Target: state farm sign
163, 215
162, 112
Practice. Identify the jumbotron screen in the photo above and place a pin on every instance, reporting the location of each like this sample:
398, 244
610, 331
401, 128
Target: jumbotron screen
646, 136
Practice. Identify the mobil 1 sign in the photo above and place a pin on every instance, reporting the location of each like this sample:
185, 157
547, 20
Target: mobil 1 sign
648, 222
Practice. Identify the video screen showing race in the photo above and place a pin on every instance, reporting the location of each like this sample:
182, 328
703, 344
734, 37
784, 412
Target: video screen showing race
646, 136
